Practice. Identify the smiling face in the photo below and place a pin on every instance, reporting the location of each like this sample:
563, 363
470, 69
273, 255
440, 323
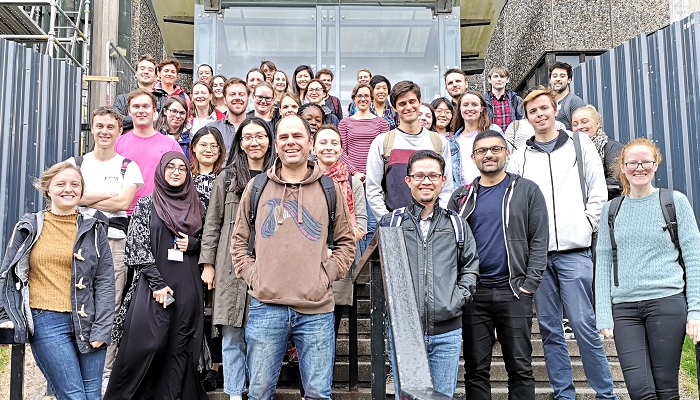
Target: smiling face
407, 107
443, 116
207, 150
217, 85
327, 81
254, 141
293, 143
559, 80
425, 117
363, 99
313, 116
315, 92
204, 73
288, 106
425, 191
639, 175
303, 79
65, 190
489, 163
279, 81
105, 131
176, 115
327, 147
363, 77
471, 108
541, 113
455, 84
381, 92
141, 111
584, 121
201, 97
176, 172
264, 98
236, 96
145, 73
254, 77
168, 75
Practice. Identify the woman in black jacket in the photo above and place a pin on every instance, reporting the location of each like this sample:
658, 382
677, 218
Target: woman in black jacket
58, 287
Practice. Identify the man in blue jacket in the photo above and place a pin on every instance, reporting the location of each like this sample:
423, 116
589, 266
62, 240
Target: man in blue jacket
508, 216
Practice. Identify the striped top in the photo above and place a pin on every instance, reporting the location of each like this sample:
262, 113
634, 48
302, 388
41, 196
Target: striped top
357, 136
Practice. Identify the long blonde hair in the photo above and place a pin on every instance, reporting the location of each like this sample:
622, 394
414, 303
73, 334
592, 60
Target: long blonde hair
620, 161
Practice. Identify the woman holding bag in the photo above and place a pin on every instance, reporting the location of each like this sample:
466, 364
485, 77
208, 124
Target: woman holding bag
160, 325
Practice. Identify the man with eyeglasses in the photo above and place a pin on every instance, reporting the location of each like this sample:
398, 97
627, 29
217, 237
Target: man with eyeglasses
574, 189
263, 103
144, 145
508, 217
236, 100
111, 181
444, 265
146, 77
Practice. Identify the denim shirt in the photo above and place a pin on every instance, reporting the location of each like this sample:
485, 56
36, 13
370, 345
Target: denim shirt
456, 155
390, 115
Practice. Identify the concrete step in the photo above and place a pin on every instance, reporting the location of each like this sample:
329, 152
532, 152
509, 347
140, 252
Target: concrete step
363, 347
500, 393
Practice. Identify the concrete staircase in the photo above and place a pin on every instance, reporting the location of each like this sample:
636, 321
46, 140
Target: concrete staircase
288, 386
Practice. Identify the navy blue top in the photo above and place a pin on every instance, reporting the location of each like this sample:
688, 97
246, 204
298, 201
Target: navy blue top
486, 222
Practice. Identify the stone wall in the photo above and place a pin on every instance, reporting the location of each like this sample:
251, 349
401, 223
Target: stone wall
526, 29
145, 32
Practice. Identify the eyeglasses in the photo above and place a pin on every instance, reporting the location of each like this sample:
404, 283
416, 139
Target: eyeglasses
483, 150
257, 138
263, 99
363, 96
171, 168
632, 166
440, 112
178, 113
315, 90
420, 177
212, 146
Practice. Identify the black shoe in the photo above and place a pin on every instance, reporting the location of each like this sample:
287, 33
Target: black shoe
209, 382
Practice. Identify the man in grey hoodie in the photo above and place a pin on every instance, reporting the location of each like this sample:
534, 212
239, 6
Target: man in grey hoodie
574, 189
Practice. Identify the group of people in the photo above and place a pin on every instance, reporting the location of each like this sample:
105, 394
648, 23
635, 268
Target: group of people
208, 229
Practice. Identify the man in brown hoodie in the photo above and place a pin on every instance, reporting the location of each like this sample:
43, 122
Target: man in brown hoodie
289, 275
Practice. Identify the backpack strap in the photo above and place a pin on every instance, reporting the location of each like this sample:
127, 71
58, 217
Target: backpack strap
437, 141
336, 104
579, 163
125, 164
567, 106
458, 227
328, 186
668, 208
388, 145
259, 183
78, 160
612, 214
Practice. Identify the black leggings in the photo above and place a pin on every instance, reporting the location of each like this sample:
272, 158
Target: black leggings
649, 337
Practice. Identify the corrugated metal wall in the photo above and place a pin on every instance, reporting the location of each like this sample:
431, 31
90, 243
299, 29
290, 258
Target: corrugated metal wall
39, 126
650, 87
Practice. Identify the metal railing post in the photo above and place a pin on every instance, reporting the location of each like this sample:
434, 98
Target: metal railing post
352, 333
377, 331
17, 372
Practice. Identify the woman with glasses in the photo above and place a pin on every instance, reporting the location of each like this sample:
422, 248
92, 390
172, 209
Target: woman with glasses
645, 297
586, 119
316, 93
202, 108
251, 154
172, 121
471, 118
264, 104
159, 328
443, 115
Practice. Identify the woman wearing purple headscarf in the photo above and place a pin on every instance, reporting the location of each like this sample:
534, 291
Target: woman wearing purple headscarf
160, 325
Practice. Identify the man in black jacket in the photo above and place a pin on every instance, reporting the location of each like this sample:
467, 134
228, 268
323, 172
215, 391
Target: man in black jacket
508, 217
443, 262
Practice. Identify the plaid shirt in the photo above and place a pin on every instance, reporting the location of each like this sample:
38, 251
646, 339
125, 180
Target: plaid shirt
501, 111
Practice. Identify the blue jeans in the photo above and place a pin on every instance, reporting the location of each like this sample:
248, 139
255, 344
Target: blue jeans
71, 374
233, 357
443, 359
371, 227
268, 329
568, 282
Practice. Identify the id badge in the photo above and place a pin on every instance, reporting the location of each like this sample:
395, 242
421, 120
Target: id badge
175, 255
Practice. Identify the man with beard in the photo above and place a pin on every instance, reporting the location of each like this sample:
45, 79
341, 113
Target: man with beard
560, 76
508, 217
236, 100
455, 84
145, 77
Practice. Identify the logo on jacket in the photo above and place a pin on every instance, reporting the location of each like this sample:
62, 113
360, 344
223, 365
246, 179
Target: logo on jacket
309, 226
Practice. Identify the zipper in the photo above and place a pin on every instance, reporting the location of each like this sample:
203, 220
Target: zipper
426, 288
74, 270
554, 204
504, 215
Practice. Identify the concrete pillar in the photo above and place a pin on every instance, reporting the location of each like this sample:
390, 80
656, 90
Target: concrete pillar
105, 18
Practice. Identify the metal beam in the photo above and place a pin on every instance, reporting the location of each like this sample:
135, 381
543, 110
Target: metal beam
464, 23
473, 66
180, 19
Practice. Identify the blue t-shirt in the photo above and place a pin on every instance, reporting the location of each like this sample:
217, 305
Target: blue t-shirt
486, 222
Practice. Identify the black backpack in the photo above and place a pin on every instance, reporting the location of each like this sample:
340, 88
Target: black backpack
259, 183
668, 208
125, 163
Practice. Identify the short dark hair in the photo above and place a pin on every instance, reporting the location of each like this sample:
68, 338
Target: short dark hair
324, 71
377, 79
147, 57
206, 65
561, 65
203, 131
489, 133
422, 155
454, 71
140, 92
401, 89
254, 70
168, 61
269, 64
440, 100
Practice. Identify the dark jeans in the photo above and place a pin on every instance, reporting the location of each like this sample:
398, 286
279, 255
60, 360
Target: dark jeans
649, 338
498, 308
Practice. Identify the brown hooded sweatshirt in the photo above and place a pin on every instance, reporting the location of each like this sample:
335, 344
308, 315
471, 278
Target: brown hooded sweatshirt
291, 265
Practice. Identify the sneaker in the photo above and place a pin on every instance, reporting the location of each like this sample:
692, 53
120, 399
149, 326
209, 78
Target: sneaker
292, 355
568, 332
390, 385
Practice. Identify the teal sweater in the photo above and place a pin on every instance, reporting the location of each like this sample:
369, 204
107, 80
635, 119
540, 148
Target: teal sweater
647, 266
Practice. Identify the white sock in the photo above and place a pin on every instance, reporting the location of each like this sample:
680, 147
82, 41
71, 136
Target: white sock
236, 397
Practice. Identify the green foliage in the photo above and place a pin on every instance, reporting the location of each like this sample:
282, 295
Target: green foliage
689, 370
4, 358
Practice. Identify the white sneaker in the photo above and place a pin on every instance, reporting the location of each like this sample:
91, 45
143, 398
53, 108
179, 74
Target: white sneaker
236, 397
568, 332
